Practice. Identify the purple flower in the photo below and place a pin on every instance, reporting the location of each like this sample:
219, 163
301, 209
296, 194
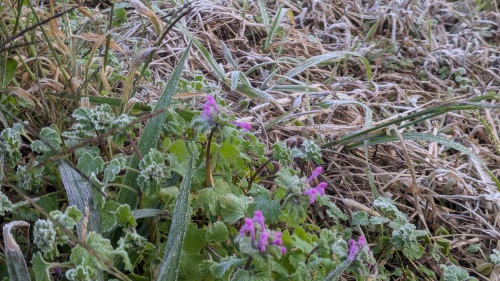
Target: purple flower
209, 108
321, 188
315, 173
353, 250
248, 227
311, 192
283, 250
259, 218
263, 241
245, 126
354, 247
211, 102
277, 240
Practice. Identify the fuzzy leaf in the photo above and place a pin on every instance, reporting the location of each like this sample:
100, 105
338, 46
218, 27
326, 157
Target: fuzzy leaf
218, 232
233, 207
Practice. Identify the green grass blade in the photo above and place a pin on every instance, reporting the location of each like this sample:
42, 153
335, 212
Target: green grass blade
431, 138
368, 68
172, 257
274, 27
79, 194
150, 135
263, 11
334, 56
254, 93
235, 77
16, 265
227, 54
209, 59
421, 116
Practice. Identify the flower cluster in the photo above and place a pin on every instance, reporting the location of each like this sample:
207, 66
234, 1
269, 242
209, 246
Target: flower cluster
265, 234
355, 246
319, 189
210, 108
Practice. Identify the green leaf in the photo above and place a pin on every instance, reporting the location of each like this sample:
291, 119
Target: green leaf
151, 134
80, 195
10, 72
454, 273
225, 267
107, 215
113, 168
217, 232
102, 248
49, 140
89, 164
229, 152
233, 207
333, 56
195, 239
18, 270
274, 27
124, 217
119, 17
360, 218
41, 268
270, 208
170, 264
209, 198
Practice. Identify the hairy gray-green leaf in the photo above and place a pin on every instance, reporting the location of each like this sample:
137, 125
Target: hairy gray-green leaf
171, 259
18, 270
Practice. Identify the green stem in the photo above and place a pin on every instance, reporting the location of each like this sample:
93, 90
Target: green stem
207, 157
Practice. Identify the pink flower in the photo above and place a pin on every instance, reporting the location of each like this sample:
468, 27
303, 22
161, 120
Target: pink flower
245, 126
321, 188
283, 250
353, 250
315, 173
311, 192
259, 218
263, 241
248, 227
277, 240
354, 247
209, 108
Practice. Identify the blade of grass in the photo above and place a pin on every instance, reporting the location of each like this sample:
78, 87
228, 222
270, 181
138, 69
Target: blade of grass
424, 115
335, 56
16, 265
171, 259
80, 195
150, 135
274, 27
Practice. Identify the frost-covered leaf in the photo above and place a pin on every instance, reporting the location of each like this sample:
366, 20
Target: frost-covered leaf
495, 257
360, 218
153, 172
124, 216
233, 207
113, 168
269, 207
217, 232
41, 268
405, 238
225, 267
5, 204
89, 164
49, 140
454, 273
101, 246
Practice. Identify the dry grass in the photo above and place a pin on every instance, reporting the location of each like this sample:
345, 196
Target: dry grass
416, 54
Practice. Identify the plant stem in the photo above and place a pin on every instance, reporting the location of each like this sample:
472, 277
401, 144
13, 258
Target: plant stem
249, 261
208, 175
261, 168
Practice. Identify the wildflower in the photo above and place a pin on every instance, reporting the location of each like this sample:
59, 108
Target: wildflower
311, 192
315, 173
319, 189
354, 247
259, 218
265, 234
209, 108
248, 227
263, 241
245, 126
